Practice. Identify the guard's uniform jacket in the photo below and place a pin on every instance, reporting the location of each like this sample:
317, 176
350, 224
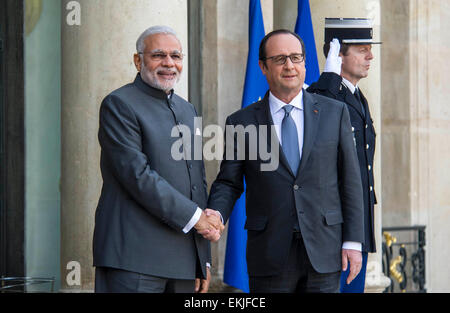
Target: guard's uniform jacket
331, 85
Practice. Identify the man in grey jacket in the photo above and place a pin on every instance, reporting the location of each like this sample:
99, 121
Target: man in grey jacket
151, 208
305, 217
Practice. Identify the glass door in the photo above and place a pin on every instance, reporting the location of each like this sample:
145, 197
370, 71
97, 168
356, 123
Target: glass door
42, 60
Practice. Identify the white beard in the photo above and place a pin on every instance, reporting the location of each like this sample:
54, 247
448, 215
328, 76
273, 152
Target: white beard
151, 78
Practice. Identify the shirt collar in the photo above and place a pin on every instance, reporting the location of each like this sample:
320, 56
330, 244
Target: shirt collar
276, 104
349, 85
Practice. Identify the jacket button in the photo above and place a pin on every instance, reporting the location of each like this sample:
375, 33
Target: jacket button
371, 188
194, 187
190, 166
369, 167
296, 187
367, 147
367, 125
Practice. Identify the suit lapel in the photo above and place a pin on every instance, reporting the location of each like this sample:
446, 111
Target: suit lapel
264, 117
310, 126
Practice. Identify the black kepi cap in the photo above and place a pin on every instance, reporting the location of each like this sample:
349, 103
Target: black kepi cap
349, 30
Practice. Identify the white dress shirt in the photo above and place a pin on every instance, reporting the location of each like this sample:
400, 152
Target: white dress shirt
277, 112
349, 85
297, 114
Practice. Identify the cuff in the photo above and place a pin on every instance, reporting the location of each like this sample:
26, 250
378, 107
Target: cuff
352, 245
221, 218
193, 220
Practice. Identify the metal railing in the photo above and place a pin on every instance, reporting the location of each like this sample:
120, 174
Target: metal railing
17, 284
404, 258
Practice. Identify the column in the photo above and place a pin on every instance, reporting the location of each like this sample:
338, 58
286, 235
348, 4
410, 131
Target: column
429, 133
97, 57
416, 126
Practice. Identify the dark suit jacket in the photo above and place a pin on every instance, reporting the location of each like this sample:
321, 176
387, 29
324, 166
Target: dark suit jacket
324, 198
330, 85
147, 197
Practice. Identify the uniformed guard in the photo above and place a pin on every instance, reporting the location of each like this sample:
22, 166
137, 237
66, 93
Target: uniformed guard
348, 48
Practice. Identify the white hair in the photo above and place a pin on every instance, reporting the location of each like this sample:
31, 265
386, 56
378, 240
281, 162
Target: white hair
159, 29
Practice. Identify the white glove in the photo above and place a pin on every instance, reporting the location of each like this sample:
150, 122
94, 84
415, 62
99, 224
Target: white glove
334, 61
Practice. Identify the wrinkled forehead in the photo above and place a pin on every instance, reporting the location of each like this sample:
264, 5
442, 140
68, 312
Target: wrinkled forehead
283, 44
162, 42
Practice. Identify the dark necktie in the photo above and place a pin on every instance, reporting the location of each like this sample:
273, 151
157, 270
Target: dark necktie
358, 97
289, 138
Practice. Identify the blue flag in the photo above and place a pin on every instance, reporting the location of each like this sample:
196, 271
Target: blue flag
235, 271
304, 28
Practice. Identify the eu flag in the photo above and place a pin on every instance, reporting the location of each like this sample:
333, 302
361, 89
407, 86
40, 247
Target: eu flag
304, 28
235, 271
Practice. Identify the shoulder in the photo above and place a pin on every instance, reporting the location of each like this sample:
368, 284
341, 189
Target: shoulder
121, 102
328, 82
325, 101
124, 90
246, 114
120, 95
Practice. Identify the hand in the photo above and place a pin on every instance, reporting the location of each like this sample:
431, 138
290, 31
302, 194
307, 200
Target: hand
210, 225
355, 259
210, 212
334, 61
202, 285
213, 234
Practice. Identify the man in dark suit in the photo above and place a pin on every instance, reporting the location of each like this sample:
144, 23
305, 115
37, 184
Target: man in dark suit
150, 204
347, 63
299, 214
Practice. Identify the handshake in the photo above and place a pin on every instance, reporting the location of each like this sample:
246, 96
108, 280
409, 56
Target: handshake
210, 225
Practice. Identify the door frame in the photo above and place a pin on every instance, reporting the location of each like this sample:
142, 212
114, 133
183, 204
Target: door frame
12, 141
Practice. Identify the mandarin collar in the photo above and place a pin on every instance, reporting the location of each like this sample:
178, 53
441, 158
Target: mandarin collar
154, 92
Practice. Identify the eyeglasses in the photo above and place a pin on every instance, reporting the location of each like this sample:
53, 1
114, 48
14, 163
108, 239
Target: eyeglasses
281, 59
159, 56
